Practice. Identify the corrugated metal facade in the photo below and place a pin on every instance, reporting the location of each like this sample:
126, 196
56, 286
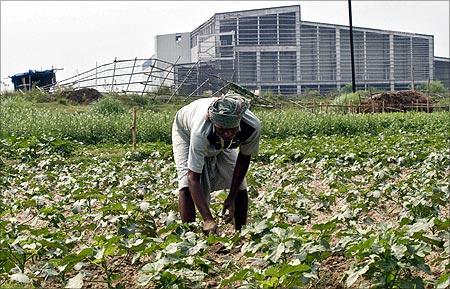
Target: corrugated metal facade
272, 49
442, 70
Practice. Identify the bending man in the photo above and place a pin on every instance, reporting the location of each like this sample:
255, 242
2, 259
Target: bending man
205, 136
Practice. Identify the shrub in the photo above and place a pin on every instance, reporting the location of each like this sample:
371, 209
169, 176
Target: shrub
108, 105
39, 95
163, 90
348, 88
268, 94
434, 86
139, 100
347, 98
311, 93
14, 100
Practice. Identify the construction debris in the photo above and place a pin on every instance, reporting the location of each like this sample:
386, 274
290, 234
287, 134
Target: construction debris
394, 101
82, 95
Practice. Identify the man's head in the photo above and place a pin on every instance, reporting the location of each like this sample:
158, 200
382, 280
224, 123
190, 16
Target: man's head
226, 113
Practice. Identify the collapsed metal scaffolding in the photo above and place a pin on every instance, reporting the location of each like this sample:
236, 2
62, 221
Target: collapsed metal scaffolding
128, 75
149, 75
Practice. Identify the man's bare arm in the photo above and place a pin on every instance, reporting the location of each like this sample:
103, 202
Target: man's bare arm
240, 170
197, 195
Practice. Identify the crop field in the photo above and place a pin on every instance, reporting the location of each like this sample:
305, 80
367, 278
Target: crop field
336, 201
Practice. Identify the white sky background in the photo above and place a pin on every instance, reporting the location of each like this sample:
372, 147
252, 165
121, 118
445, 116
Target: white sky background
74, 35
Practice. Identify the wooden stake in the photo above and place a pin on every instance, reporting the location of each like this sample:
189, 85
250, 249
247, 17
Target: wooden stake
382, 108
133, 128
428, 105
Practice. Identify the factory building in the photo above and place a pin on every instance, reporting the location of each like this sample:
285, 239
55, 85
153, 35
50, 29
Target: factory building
272, 49
442, 70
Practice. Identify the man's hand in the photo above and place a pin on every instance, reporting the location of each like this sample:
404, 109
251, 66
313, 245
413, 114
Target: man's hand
209, 226
228, 205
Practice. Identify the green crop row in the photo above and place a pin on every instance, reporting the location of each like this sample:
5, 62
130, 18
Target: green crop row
325, 212
92, 126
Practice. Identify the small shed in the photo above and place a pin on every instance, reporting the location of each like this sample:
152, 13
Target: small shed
27, 80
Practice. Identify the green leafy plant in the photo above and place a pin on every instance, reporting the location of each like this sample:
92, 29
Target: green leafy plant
108, 105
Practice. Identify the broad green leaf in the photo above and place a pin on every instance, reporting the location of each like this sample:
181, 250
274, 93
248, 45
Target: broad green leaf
278, 252
444, 281
420, 225
429, 239
20, 277
260, 227
237, 276
353, 275
75, 282
100, 254
286, 269
399, 250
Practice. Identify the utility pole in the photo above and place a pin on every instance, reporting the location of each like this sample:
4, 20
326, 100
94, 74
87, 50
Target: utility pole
352, 57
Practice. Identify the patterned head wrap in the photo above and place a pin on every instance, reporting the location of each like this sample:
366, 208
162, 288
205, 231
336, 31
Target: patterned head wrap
228, 110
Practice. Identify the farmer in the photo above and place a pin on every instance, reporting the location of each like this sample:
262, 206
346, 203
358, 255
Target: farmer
205, 137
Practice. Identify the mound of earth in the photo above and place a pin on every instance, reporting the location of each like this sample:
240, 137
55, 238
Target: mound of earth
402, 100
82, 95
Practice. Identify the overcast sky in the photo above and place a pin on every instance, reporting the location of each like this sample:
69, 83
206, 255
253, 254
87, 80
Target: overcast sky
74, 35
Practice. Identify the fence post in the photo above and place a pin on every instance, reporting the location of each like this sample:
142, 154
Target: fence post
149, 75
96, 67
133, 128
371, 102
131, 75
114, 73
428, 105
78, 80
320, 107
382, 107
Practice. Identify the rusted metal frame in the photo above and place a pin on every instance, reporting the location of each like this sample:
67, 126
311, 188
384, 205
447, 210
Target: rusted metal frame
131, 75
220, 89
133, 82
223, 80
170, 70
184, 80
117, 75
149, 75
192, 93
114, 72
127, 60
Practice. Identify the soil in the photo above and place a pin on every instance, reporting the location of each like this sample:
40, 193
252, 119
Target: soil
394, 101
82, 95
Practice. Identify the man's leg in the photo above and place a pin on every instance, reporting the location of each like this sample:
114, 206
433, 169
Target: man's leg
241, 208
186, 206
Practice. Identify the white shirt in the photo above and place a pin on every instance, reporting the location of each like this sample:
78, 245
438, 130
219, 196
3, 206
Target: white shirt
194, 127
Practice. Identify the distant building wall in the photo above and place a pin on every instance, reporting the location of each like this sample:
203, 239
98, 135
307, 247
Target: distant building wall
442, 70
174, 48
171, 46
271, 49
